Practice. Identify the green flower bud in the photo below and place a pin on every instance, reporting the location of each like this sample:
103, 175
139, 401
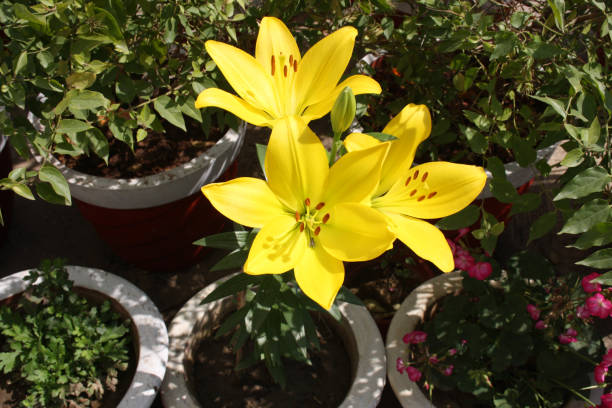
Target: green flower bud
343, 112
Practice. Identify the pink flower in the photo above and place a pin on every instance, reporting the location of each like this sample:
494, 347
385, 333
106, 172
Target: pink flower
480, 271
600, 374
565, 339
599, 306
533, 311
399, 365
415, 337
413, 373
571, 332
588, 286
452, 352
607, 359
448, 370
434, 359
606, 401
540, 325
582, 312
462, 232
463, 259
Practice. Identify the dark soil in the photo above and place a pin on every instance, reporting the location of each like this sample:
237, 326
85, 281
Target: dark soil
324, 384
154, 154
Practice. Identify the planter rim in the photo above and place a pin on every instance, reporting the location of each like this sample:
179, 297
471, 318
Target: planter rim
410, 313
3, 140
370, 374
152, 333
156, 189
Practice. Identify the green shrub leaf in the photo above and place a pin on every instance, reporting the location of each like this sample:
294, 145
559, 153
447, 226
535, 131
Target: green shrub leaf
601, 259
589, 181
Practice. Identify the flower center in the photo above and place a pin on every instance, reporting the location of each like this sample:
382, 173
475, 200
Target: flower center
283, 69
415, 188
312, 219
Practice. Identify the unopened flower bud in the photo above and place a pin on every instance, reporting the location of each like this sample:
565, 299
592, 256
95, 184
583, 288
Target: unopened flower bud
343, 112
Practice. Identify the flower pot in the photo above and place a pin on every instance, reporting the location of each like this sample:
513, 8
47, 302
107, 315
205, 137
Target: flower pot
6, 196
152, 221
147, 325
357, 330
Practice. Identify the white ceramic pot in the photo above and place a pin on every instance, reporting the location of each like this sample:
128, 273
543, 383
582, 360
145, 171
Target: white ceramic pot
151, 333
358, 331
158, 189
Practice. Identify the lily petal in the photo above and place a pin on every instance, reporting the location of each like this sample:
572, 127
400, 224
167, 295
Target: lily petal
359, 84
255, 206
322, 66
245, 75
296, 163
231, 103
320, 276
433, 190
274, 39
355, 232
354, 177
411, 126
278, 246
359, 141
424, 239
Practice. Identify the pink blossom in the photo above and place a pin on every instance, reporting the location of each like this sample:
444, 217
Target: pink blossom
540, 325
588, 286
565, 339
413, 373
606, 401
415, 337
462, 232
463, 259
599, 306
600, 374
480, 271
452, 352
399, 365
452, 246
464, 342
607, 359
448, 370
533, 311
434, 359
582, 312
571, 332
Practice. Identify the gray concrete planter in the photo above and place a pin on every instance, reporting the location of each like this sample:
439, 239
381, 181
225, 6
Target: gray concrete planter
151, 334
358, 330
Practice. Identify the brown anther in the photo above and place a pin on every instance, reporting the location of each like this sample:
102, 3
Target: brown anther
272, 65
302, 227
320, 205
413, 192
295, 66
285, 71
325, 218
421, 198
297, 216
307, 202
424, 176
317, 230
291, 60
408, 181
433, 193
416, 174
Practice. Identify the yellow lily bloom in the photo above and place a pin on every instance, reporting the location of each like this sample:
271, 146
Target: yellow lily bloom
278, 82
310, 215
432, 190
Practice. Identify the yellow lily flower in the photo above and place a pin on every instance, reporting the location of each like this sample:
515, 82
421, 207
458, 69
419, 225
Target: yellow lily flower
310, 215
431, 190
278, 82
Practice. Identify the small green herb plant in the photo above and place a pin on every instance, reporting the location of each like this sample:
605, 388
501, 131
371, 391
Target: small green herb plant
56, 345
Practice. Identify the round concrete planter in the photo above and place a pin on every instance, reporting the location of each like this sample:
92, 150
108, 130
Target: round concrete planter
151, 334
358, 331
151, 222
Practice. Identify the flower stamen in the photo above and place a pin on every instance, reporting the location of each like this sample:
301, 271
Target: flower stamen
272, 65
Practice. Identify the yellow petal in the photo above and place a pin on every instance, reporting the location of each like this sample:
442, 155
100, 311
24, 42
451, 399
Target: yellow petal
424, 239
322, 66
274, 39
231, 103
411, 126
355, 232
359, 84
319, 275
245, 200
296, 163
434, 190
278, 246
359, 141
245, 75
355, 175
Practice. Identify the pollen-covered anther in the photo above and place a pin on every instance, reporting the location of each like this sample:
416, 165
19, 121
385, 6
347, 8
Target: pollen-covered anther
307, 202
433, 193
424, 176
421, 198
319, 206
416, 174
291, 60
302, 227
317, 230
273, 66
285, 71
325, 218
295, 66
297, 216
408, 181
413, 192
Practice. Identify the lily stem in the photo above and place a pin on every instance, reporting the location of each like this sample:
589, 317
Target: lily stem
334, 147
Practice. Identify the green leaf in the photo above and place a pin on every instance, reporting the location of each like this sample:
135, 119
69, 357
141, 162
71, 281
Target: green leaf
558, 9
261, 155
48, 85
587, 216
383, 137
169, 110
591, 137
23, 190
464, 218
604, 279
476, 140
599, 235
170, 30
98, 143
573, 158
125, 89
542, 50
233, 260
187, 106
86, 99
519, 18
81, 80
121, 130
54, 177
226, 240
21, 63
542, 226
556, 104
504, 43
72, 126
231, 286
37, 22
601, 259
591, 180
504, 191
